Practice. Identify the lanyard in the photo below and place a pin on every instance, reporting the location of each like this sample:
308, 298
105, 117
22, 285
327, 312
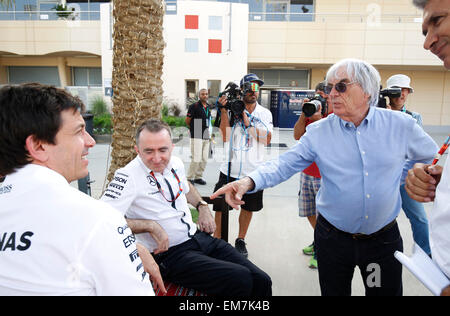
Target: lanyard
442, 150
180, 190
206, 111
172, 196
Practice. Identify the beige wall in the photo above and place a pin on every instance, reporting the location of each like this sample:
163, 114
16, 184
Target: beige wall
45, 37
49, 43
326, 43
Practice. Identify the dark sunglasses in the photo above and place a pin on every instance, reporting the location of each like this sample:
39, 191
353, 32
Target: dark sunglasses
340, 87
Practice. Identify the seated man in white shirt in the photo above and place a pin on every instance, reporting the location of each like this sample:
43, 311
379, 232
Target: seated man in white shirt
153, 193
54, 239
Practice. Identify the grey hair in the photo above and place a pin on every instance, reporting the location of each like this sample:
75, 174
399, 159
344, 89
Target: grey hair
361, 72
420, 3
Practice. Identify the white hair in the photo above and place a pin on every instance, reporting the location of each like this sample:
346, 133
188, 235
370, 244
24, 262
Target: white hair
420, 3
361, 72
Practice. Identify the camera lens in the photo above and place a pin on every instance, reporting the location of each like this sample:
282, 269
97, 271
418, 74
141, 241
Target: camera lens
311, 107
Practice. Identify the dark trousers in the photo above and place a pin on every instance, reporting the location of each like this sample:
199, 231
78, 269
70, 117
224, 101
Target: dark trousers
338, 253
213, 267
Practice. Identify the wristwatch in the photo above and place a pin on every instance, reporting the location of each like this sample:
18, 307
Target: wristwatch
201, 203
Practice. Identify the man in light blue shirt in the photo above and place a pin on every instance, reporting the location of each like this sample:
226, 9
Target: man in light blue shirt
362, 152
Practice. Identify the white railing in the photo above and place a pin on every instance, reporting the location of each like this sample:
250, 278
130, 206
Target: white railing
68, 15
335, 17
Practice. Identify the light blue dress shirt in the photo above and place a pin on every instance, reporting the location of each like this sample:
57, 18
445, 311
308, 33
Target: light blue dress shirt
361, 167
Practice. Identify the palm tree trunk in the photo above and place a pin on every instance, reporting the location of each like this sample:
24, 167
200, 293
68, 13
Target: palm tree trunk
137, 69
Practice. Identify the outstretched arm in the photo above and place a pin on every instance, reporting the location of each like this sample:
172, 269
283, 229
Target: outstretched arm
234, 191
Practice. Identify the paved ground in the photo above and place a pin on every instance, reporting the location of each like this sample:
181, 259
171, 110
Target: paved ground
277, 234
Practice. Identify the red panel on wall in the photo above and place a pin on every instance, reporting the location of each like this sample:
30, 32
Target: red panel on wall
215, 46
191, 22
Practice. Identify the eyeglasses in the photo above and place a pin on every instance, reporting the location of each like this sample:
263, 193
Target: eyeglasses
340, 87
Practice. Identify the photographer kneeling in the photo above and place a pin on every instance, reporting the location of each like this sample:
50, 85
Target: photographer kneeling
244, 134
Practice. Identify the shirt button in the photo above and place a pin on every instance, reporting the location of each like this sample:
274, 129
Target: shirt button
367, 217
367, 174
368, 196
363, 152
359, 133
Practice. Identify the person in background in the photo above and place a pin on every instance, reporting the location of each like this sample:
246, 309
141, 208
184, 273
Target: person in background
198, 119
310, 177
413, 209
244, 139
425, 182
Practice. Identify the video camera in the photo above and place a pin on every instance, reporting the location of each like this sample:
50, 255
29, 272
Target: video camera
388, 92
234, 97
312, 106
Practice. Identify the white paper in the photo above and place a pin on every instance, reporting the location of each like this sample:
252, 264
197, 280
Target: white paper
424, 269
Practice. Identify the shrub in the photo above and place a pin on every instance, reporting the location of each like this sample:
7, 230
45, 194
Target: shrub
174, 121
165, 110
98, 106
102, 124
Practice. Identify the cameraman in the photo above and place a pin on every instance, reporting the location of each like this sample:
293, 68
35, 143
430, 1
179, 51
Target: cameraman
413, 209
245, 137
310, 177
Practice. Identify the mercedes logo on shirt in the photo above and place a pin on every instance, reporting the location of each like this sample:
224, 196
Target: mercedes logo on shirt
151, 180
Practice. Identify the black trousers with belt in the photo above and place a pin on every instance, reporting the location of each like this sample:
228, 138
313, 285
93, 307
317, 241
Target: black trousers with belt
214, 267
338, 253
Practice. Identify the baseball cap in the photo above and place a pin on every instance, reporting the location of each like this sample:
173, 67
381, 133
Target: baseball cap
399, 81
250, 78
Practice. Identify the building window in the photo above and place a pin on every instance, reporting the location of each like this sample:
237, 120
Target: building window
87, 76
43, 9
191, 45
281, 10
301, 10
214, 46
215, 23
171, 7
283, 78
191, 90
213, 90
191, 22
44, 75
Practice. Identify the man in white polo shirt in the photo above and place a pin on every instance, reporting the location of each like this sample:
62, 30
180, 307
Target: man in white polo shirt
54, 239
153, 193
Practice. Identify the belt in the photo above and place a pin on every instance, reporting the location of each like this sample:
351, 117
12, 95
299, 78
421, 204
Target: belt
359, 236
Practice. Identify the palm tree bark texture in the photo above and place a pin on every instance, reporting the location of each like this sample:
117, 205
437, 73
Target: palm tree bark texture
137, 69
